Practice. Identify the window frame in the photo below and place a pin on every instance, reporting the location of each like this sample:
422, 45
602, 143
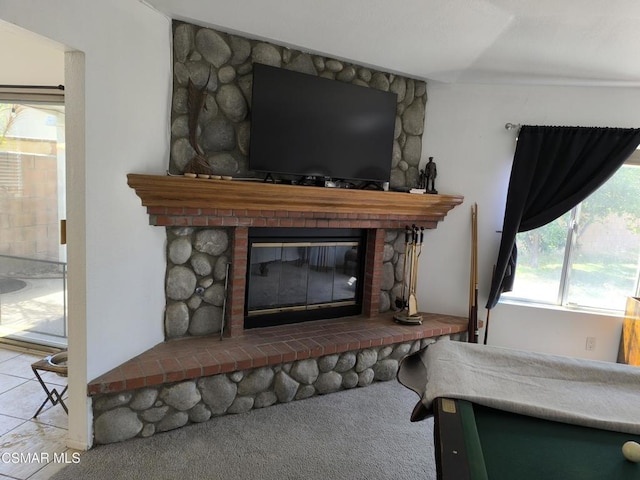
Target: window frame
565, 275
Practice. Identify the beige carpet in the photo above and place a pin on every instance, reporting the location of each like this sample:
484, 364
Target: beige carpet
357, 434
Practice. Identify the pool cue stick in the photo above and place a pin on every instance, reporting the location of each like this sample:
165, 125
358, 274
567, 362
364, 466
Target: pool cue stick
475, 273
472, 333
471, 285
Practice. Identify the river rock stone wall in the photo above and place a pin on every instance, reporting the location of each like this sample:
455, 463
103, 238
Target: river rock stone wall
222, 64
147, 411
197, 260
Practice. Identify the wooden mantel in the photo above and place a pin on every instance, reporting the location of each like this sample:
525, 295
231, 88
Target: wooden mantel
171, 192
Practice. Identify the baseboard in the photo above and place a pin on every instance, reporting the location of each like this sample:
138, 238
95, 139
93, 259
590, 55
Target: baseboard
27, 347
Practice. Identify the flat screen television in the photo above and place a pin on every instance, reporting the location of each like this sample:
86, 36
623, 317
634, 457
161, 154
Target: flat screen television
309, 126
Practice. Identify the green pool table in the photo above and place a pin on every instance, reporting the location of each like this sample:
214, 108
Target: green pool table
474, 442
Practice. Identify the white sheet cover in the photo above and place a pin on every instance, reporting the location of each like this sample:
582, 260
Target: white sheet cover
583, 392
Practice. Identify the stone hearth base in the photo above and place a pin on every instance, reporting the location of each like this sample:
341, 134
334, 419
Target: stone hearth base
193, 380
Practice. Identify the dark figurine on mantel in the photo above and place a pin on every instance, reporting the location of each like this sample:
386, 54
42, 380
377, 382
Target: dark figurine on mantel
430, 173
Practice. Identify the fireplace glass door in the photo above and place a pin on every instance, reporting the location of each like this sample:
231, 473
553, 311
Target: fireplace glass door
287, 280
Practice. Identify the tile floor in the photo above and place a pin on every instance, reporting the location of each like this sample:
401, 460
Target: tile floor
27, 443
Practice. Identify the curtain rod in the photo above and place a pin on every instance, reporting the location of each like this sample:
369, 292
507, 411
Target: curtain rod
38, 87
512, 126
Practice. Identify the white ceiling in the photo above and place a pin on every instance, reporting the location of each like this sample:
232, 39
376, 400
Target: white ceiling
575, 42
566, 42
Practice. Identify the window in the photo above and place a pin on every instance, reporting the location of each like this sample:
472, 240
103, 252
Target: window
590, 257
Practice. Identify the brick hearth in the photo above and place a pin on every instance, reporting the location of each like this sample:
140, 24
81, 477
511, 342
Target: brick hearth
190, 358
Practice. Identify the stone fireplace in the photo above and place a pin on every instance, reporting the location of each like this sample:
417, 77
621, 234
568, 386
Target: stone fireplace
214, 218
210, 363
196, 377
220, 65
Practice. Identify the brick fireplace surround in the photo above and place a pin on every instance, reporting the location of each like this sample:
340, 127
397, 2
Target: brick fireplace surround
178, 201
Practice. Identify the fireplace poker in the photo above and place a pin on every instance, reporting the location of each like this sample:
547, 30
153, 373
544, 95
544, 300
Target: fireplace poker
413, 302
419, 248
224, 302
401, 303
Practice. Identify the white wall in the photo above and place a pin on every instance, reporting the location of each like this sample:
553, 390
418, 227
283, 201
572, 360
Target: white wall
116, 260
555, 331
29, 59
464, 131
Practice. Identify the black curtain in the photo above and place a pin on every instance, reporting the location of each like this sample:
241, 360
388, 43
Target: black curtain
554, 169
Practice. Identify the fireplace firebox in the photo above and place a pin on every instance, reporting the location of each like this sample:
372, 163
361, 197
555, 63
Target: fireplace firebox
302, 274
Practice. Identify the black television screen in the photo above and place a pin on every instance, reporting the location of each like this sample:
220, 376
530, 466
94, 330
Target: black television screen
312, 126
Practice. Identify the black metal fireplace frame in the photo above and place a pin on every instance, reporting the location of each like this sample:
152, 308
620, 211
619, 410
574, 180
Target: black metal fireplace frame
296, 235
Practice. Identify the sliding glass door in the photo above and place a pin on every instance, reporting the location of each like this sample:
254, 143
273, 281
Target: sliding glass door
32, 210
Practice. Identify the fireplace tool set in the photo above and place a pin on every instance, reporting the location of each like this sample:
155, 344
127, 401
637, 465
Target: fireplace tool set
408, 304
